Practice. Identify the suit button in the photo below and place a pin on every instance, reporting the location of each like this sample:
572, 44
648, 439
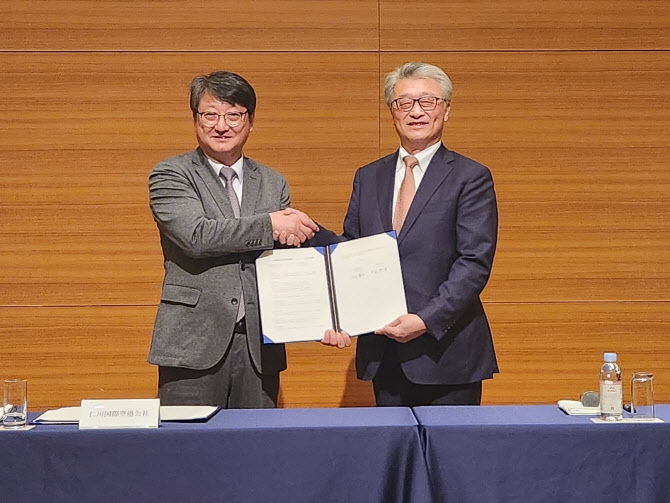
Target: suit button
233, 302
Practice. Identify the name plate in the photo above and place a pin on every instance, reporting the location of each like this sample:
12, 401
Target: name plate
110, 414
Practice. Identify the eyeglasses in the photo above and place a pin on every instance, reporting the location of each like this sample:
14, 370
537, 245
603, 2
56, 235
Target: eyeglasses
427, 103
211, 119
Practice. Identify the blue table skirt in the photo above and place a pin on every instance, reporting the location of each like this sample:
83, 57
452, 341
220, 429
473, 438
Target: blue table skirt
538, 454
490, 454
246, 456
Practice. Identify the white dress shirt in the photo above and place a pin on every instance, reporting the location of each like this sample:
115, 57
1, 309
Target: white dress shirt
424, 157
237, 182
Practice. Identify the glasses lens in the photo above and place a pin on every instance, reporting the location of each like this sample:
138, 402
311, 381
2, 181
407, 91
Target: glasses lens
404, 104
428, 102
209, 118
233, 118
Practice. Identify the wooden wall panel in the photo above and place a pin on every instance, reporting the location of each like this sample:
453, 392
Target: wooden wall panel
70, 353
189, 25
551, 351
99, 352
320, 376
546, 352
82, 132
566, 101
481, 25
78, 352
578, 144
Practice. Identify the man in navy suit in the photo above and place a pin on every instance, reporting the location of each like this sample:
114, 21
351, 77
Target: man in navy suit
443, 207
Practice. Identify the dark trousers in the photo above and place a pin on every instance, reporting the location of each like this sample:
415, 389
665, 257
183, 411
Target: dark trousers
393, 389
233, 383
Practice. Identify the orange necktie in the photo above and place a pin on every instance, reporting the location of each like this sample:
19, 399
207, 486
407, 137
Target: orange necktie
406, 193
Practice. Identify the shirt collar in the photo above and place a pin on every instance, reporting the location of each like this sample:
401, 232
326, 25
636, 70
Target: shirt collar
424, 157
237, 166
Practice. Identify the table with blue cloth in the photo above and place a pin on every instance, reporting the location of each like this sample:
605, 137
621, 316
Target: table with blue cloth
526, 454
277, 455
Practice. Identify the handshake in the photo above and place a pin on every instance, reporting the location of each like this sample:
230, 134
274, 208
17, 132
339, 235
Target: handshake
292, 227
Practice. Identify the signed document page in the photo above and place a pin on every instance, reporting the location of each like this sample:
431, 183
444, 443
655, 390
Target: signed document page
369, 290
293, 295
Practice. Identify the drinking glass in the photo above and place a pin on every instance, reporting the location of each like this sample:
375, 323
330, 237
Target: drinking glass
15, 403
642, 395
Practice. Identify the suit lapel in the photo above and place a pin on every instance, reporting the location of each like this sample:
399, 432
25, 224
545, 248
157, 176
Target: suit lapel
385, 182
250, 188
440, 166
204, 170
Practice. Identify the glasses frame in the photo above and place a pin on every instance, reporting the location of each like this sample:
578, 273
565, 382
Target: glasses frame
225, 118
417, 100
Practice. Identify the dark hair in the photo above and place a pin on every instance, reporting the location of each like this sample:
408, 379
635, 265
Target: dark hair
224, 86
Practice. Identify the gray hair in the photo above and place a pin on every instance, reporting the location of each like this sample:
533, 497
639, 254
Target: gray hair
417, 70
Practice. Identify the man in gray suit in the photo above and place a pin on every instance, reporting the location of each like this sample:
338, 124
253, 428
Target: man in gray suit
216, 211
443, 207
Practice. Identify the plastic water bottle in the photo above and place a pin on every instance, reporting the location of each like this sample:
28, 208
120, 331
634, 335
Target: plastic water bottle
611, 391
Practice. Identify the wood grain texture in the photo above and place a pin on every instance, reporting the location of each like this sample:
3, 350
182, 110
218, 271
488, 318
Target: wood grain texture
320, 376
480, 25
189, 25
82, 132
68, 354
566, 102
546, 351
552, 351
578, 146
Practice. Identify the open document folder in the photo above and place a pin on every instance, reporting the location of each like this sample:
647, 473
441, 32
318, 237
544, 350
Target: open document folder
355, 286
70, 415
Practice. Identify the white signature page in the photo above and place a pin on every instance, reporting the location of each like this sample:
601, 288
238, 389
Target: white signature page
369, 289
293, 295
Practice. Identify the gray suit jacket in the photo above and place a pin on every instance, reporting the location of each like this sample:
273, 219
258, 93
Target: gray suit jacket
209, 256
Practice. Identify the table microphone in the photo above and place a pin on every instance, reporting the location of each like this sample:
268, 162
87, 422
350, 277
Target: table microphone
590, 399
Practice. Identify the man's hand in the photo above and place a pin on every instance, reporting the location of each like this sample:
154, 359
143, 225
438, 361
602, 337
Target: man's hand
404, 329
284, 238
339, 339
292, 227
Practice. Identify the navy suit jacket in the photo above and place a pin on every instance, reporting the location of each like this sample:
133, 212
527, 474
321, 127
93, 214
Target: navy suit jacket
446, 247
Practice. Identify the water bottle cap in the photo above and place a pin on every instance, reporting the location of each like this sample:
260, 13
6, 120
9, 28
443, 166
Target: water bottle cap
610, 357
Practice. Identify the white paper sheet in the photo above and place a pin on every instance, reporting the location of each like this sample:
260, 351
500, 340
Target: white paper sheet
597, 420
575, 408
368, 283
293, 295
